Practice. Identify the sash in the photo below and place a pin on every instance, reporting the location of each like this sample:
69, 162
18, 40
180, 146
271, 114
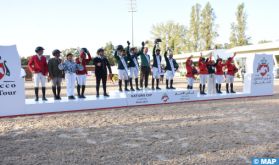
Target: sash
158, 63
136, 63
172, 66
124, 64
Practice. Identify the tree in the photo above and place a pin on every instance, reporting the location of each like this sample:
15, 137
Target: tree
194, 28
109, 51
172, 34
24, 61
208, 27
74, 51
233, 37
238, 35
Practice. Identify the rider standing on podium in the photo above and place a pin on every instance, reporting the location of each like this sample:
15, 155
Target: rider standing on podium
171, 68
133, 65
38, 66
232, 69
145, 66
122, 61
81, 74
156, 67
101, 65
191, 71
203, 74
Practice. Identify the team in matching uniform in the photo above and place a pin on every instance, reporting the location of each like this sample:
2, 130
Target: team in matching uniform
75, 71
211, 72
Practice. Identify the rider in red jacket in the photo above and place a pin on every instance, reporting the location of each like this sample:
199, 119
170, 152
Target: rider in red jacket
38, 66
219, 65
203, 74
232, 69
190, 72
81, 74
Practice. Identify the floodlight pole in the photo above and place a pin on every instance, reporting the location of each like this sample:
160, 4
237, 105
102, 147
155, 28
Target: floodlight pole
132, 11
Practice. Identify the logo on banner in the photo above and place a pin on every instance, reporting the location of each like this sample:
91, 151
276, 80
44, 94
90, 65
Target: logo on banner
263, 67
263, 75
4, 70
165, 98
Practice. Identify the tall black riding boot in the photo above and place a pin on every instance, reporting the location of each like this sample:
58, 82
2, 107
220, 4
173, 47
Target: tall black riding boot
157, 84
203, 88
171, 84
105, 90
219, 87
153, 81
54, 92
131, 84
141, 83
232, 91
167, 84
120, 85
97, 88
137, 84
188, 87
44, 93
82, 91
227, 88
36, 93
78, 91
126, 85
58, 92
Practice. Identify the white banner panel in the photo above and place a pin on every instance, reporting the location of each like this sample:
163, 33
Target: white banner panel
12, 97
260, 81
160, 96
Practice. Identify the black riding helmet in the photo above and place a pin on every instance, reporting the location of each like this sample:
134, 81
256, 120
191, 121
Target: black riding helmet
56, 51
39, 48
100, 50
119, 47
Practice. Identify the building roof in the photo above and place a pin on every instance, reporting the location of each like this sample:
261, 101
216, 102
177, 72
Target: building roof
256, 47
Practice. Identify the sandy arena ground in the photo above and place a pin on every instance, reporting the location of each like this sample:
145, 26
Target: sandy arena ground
212, 132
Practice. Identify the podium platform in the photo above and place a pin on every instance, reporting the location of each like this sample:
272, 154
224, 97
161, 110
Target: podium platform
258, 82
122, 99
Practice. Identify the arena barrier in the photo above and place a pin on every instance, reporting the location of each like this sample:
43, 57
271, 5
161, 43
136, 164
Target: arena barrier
258, 82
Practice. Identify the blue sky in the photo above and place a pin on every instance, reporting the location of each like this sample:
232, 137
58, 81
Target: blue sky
91, 23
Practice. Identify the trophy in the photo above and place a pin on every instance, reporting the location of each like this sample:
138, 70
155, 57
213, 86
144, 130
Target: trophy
157, 41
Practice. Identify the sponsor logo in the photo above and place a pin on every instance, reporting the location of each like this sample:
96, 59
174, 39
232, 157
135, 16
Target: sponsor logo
263, 67
165, 98
4, 70
7, 88
263, 74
